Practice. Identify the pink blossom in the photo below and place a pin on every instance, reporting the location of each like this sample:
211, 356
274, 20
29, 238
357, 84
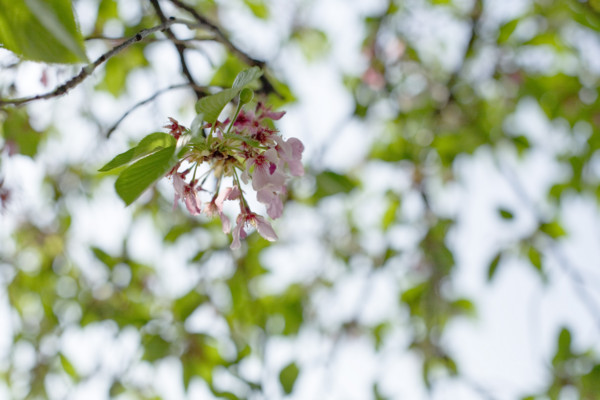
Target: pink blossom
290, 151
247, 217
265, 170
187, 192
266, 112
270, 196
175, 129
215, 206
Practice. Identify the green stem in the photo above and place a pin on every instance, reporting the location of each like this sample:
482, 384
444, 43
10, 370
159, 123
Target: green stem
237, 112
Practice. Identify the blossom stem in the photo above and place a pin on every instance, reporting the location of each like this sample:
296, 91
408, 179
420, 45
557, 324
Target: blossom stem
237, 112
237, 181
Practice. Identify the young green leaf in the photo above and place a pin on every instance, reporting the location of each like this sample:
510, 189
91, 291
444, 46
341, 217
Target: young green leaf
246, 77
150, 144
143, 173
211, 106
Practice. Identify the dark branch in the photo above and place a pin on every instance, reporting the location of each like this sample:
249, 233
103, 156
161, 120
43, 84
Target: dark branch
179, 46
151, 98
220, 37
89, 69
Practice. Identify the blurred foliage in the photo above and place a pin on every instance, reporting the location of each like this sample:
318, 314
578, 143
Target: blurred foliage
436, 115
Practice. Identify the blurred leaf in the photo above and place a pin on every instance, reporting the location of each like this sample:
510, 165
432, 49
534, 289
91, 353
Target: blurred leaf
288, 376
107, 10
591, 383
155, 348
505, 214
553, 229
105, 258
507, 30
41, 30
464, 306
139, 176
329, 183
535, 258
226, 73
313, 42
563, 350
184, 306
376, 393
118, 68
116, 389
68, 367
389, 217
258, 8
493, 267
18, 132
176, 231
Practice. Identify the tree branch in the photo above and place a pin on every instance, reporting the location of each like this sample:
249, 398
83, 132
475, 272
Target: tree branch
89, 69
197, 89
220, 37
179, 46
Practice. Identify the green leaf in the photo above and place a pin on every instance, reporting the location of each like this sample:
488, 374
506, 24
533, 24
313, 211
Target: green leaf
41, 31
211, 106
119, 160
68, 367
553, 229
505, 214
493, 267
150, 144
288, 376
246, 77
142, 174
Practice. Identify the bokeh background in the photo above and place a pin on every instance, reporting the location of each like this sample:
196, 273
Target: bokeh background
444, 242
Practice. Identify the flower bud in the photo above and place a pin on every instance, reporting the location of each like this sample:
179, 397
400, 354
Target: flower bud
246, 96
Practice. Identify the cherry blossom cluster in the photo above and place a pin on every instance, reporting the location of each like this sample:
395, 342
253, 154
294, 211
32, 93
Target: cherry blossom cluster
246, 149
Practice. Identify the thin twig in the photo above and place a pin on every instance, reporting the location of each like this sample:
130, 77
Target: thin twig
220, 36
151, 40
89, 69
148, 100
179, 46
